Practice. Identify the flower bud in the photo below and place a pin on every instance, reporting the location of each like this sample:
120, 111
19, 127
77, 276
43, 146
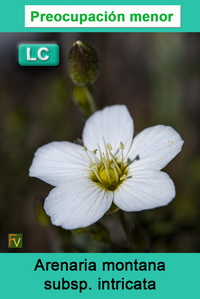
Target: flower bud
83, 63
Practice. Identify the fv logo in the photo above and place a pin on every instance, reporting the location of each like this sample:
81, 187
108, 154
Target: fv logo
15, 240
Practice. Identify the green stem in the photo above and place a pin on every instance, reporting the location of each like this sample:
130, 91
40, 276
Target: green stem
84, 98
91, 99
124, 223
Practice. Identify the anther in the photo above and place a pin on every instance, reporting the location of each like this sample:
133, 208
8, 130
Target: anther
121, 146
123, 177
109, 146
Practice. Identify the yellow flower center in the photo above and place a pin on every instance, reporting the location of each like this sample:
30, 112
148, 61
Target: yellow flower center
108, 175
110, 171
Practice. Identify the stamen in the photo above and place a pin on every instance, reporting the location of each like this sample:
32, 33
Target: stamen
106, 149
85, 149
121, 146
115, 171
100, 153
94, 168
106, 169
113, 160
95, 158
104, 160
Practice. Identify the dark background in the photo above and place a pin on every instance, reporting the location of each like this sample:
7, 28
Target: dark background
157, 75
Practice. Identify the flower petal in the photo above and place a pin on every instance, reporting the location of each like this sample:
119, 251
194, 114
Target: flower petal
155, 147
77, 204
58, 162
114, 124
146, 189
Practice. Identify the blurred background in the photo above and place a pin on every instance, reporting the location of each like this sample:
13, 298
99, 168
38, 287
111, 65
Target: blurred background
157, 75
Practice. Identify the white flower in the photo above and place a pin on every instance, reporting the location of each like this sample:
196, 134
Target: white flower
111, 167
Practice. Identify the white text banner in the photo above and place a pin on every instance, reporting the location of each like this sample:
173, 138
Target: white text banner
102, 16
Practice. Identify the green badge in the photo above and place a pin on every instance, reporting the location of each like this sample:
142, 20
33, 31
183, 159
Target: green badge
15, 240
38, 54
